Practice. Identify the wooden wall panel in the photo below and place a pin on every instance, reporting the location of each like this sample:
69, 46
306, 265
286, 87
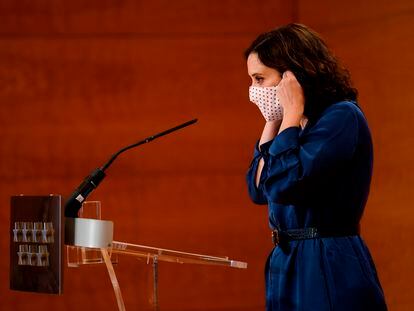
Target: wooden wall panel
374, 40
79, 80
137, 18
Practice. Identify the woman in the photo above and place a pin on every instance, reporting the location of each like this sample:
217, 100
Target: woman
312, 167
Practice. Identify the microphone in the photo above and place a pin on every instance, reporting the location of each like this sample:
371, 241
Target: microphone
91, 182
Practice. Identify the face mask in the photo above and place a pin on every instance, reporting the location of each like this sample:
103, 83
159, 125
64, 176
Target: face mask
267, 101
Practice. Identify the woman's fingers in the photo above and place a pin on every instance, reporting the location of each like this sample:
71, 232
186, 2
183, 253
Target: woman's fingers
290, 93
288, 74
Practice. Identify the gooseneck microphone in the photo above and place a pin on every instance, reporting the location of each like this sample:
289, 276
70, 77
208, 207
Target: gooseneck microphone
74, 202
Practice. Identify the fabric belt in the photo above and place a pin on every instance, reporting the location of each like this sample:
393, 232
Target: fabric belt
282, 236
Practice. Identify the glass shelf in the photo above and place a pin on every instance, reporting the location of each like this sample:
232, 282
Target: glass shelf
169, 255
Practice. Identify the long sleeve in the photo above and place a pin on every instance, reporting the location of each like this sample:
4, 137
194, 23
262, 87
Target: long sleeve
294, 161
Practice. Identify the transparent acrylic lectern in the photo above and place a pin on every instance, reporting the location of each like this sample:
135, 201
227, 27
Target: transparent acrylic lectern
84, 235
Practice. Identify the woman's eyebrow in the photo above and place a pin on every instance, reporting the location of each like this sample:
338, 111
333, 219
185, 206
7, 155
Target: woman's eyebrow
256, 74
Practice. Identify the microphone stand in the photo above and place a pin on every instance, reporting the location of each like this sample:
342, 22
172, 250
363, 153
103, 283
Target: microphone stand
91, 182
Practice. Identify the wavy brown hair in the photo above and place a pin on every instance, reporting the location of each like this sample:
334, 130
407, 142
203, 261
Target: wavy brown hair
301, 50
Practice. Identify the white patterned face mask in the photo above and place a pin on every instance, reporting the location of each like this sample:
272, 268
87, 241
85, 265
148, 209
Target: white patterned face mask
267, 101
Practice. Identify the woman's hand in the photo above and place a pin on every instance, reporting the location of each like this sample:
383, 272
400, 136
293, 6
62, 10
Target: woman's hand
292, 99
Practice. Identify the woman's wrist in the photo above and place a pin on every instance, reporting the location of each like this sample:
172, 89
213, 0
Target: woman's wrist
289, 121
270, 130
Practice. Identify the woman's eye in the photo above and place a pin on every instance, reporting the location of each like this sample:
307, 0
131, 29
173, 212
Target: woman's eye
259, 79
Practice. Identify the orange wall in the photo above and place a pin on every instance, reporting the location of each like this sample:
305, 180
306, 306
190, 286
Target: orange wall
80, 79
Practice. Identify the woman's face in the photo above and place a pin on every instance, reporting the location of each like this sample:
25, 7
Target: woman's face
260, 74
